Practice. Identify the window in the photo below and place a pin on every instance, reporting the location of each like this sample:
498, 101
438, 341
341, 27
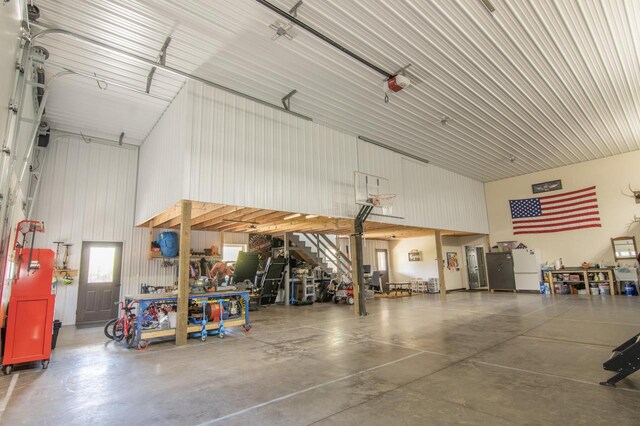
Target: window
230, 251
101, 262
381, 257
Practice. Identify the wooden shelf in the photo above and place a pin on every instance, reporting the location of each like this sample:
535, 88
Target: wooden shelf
609, 280
192, 328
59, 272
192, 257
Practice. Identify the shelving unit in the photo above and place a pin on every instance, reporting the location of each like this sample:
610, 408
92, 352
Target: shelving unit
192, 257
584, 273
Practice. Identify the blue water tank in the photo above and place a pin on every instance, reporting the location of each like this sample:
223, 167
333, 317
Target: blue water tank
168, 244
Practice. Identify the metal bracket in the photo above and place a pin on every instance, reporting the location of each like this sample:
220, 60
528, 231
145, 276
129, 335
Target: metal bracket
13, 106
401, 70
162, 58
286, 101
294, 10
35, 84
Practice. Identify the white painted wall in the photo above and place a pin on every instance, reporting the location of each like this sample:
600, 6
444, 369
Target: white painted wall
402, 269
610, 175
87, 194
246, 154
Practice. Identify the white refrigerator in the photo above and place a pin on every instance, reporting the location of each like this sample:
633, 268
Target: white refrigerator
526, 268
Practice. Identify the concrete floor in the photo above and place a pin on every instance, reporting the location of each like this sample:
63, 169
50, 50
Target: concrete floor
478, 358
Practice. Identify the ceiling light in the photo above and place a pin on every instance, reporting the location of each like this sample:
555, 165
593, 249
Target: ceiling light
488, 5
292, 216
311, 216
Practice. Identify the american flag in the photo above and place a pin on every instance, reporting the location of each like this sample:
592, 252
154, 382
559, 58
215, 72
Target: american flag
556, 213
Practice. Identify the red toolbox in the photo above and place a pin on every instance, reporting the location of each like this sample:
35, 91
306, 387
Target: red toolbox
30, 311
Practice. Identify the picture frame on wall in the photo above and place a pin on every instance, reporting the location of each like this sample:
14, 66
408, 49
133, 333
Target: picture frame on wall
552, 185
452, 261
415, 256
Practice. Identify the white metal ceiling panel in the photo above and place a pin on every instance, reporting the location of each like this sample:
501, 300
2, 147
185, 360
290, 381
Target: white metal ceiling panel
535, 85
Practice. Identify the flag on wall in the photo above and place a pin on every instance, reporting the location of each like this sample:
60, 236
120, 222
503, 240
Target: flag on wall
556, 213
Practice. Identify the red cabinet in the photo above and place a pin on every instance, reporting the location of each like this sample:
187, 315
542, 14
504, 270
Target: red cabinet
30, 311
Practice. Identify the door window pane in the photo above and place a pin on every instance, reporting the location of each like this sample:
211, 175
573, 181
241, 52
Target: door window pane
101, 262
382, 260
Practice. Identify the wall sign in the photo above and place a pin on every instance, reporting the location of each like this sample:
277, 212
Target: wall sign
415, 256
552, 185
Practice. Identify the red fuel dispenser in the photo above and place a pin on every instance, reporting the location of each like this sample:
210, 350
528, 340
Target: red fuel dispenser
30, 310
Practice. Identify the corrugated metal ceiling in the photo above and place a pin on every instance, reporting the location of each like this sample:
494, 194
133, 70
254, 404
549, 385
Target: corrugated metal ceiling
547, 82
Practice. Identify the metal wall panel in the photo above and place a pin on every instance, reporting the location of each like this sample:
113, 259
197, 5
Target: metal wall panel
241, 153
438, 198
162, 162
378, 161
246, 154
87, 194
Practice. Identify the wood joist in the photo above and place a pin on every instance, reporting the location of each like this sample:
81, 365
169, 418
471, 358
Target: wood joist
224, 218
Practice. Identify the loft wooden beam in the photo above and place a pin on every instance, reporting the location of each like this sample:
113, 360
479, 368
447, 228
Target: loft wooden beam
212, 217
159, 220
223, 218
196, 212
441, 279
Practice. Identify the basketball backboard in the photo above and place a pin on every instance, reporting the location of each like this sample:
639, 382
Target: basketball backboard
374, 191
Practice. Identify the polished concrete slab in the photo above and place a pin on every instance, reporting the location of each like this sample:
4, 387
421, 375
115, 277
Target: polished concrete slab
477, 358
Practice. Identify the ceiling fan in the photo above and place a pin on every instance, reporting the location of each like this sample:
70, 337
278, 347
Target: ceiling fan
281, 29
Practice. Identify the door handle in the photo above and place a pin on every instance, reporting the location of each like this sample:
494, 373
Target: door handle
117, 285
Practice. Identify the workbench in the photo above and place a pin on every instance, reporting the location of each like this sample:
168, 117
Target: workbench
144, 300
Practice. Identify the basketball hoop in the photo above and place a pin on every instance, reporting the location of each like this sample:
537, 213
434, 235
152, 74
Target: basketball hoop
384, 201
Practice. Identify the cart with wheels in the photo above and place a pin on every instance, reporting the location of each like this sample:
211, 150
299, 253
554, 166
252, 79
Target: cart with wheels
143, 335
213, 332
29, 325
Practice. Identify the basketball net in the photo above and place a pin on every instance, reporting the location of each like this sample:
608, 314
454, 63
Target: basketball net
384, 201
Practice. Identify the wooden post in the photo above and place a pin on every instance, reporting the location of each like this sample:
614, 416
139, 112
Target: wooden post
183, 277
149, 253
356, 261
443, 284
287, 275
221, 243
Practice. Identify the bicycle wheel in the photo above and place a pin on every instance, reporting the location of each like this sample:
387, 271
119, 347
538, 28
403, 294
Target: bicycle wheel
118, 330
108, 328
131, 336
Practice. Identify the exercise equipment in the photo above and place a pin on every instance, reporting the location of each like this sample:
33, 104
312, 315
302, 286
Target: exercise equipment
625, 360
246, 267
271, 280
